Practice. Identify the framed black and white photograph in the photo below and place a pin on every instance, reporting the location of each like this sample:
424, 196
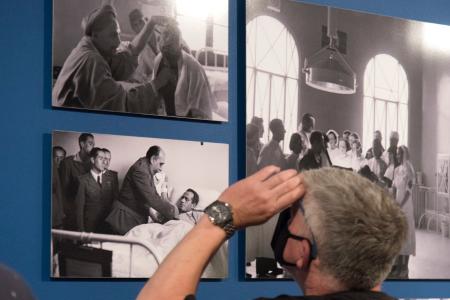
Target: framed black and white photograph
121, 203
167, 58
368, 93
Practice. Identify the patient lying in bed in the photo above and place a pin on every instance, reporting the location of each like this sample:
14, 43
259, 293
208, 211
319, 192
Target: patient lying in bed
162, 238
186, 206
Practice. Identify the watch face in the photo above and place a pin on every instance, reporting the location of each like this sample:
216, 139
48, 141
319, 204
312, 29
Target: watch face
220, 212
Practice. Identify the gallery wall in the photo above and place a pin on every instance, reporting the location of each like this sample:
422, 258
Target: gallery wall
27, 120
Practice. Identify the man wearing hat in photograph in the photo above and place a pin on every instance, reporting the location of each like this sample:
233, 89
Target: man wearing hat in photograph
92, 75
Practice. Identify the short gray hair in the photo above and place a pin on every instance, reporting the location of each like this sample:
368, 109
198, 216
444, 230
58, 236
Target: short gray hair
358, 227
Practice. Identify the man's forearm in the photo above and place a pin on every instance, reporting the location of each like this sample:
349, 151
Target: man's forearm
139, 41
180, 272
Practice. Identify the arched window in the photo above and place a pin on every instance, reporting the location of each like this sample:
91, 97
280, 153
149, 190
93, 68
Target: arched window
272, 75
386, 96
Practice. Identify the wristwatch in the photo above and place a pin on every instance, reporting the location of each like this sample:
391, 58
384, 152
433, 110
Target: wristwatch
220, 214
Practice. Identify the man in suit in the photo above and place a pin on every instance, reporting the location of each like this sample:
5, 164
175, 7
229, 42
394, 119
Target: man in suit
271, 153
95, 196
305, 129
316, 157
138, 194
110, 173
71, 168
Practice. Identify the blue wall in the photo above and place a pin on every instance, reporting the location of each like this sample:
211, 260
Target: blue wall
27, 121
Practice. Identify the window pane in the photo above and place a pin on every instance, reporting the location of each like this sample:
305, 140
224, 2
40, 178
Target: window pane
385, 94
250, 93
220, 39
272, 51
193, 31
368, 123
386, 80
277, 98
292, 58
380, 117
386, 72
262, 100
251, 43
269, 32
391, 118
291, 111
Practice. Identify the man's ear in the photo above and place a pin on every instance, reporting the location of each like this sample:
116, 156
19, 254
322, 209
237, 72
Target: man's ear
303, 259
92, 160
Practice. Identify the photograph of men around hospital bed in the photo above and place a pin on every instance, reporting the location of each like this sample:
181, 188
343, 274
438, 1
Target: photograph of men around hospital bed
368, 93
166, 58
120, 203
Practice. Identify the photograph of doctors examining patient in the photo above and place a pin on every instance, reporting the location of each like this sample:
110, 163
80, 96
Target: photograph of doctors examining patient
165, 58
129, 187
320, 94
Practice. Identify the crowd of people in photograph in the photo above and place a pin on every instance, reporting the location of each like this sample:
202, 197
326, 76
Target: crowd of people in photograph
154, 73
86, 195
390, 168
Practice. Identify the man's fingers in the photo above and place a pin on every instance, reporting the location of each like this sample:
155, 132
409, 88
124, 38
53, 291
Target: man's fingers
292, 184
290, 197
279, 178
265, 173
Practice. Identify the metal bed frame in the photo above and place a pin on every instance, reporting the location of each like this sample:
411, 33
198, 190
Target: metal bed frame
89, 237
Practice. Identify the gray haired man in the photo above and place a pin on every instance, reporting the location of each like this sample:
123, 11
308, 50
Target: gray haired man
338, 234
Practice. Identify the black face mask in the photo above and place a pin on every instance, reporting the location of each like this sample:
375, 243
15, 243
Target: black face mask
281, 236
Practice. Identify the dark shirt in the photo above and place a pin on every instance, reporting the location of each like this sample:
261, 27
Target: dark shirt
309, 162
350, 295
69, 173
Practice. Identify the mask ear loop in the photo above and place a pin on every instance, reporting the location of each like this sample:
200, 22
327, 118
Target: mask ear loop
313, 244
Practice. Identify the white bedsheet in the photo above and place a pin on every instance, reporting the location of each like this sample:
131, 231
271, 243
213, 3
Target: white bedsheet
163, 238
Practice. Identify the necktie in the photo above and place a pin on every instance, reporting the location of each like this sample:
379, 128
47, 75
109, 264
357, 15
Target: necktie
98, 180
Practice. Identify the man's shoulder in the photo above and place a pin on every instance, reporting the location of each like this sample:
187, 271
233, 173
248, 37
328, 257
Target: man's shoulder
141, 164
190, 61
270, 146
85, 51
110, 173
347, 295
69, 160
85, 177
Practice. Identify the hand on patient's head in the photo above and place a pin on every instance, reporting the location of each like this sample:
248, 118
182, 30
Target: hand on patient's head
257, 198
159, 20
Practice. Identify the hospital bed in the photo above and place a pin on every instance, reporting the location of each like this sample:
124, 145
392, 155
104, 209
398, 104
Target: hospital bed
215, 64
431, 210
135, 255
